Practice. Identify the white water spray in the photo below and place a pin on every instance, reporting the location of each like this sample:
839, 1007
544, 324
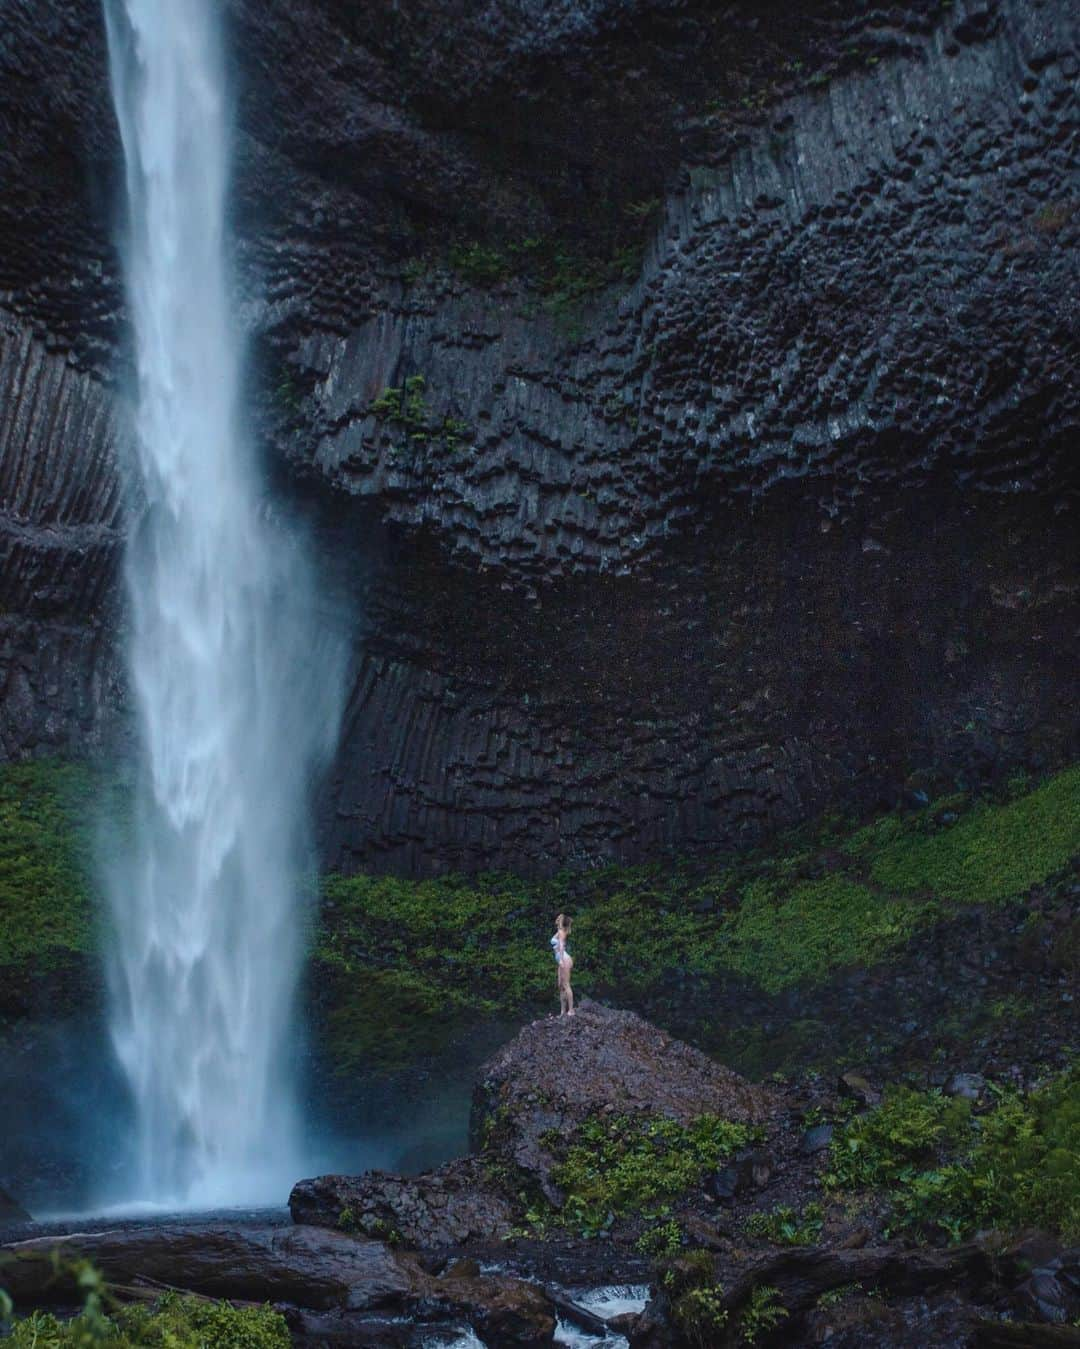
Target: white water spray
237, 694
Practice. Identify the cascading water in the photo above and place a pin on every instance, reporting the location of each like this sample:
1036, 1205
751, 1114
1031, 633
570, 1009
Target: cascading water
237, 691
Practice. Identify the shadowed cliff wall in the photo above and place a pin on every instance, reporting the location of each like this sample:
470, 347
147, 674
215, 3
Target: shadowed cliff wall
741, 479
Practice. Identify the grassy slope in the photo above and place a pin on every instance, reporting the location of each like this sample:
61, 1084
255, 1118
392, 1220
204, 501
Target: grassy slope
401, 963
404, 954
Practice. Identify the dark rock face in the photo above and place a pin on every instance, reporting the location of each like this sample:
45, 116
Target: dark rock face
782, 520
311, 1266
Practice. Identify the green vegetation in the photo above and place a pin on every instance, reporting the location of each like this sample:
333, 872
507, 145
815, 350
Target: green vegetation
700, 1315
697, 1304
405, 407
399, 967
762, 1314
690, 1282
47, 816
784, 935
949, 1169
621, 1166
994, 852
432, 955
368, 1225
784, 1227
562, 277
173, 1321
662, 1239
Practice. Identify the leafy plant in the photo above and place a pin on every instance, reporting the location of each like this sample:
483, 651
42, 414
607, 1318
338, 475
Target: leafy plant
948, 1171
624, 1165
762, 1314
785, 1227
700, 1315
406, 407
663, 1239
172, 1322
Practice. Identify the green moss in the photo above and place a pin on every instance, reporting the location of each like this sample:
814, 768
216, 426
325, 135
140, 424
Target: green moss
791, 914
561, 276
384, 1018
783, 936
47, 811
991, 853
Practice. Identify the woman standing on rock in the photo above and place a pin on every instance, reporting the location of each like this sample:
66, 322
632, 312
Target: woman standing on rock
565, 962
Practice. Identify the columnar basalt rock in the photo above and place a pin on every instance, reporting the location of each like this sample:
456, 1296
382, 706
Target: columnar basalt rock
676, 546
60, 532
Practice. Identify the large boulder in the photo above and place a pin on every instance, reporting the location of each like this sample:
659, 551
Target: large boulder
558, 1071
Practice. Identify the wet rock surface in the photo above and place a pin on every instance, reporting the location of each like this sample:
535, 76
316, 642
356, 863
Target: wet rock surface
451, 1251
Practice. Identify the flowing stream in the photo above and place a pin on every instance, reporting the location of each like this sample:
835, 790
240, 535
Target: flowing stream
237, 690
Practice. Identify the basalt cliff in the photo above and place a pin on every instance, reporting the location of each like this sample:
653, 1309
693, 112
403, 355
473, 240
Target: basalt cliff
682, 397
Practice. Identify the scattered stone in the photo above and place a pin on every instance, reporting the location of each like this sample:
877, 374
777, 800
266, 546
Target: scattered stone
858, 1088
968, 1086
816, 1139
1052, 1291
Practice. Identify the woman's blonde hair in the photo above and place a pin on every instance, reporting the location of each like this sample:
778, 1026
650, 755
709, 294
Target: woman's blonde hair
562, 921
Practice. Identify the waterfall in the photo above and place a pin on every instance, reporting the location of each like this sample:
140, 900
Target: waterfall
236, 687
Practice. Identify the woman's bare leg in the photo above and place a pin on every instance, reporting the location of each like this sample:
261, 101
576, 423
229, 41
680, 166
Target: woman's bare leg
566, 969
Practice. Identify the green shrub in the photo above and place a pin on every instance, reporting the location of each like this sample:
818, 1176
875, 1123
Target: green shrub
947, 1170
700, 1316
762, 1314
621, 1166
907, 1130
663, 1239
405, 407
174, 1322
